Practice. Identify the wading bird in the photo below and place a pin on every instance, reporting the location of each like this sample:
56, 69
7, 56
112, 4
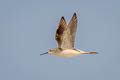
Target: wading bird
65, 36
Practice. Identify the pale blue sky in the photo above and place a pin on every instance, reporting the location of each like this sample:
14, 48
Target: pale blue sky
27, 28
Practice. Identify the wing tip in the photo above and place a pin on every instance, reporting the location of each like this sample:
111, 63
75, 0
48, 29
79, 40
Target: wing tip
75, 14
63, 18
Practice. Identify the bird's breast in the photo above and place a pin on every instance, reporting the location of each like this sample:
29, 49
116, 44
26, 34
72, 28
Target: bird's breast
67, 53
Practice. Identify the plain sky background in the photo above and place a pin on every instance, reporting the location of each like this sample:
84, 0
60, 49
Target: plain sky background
27, 28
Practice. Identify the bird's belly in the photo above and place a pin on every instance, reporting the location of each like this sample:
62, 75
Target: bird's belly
68, 53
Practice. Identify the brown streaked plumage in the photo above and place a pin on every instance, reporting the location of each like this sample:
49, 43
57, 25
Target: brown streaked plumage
59, 32
65, 36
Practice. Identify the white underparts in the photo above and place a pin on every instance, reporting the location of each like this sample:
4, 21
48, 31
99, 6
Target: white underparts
69, 53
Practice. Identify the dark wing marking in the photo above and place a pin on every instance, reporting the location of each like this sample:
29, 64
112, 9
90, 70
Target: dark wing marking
68, 36
61, 28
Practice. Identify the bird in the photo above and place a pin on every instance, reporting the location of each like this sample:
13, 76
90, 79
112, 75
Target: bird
65, 37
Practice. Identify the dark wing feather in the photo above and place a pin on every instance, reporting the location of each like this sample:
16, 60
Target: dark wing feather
61, 28
68, 36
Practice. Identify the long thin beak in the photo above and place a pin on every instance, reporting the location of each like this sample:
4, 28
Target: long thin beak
44, 53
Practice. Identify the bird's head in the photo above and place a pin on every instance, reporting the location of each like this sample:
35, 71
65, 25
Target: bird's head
51, 51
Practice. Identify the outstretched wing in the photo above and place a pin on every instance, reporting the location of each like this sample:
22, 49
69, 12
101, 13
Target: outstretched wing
61, 29
68, 36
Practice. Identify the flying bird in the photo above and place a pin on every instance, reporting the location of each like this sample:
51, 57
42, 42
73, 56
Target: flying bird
65, 37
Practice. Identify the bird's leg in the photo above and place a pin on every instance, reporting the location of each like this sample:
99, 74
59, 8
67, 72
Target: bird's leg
91, 53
